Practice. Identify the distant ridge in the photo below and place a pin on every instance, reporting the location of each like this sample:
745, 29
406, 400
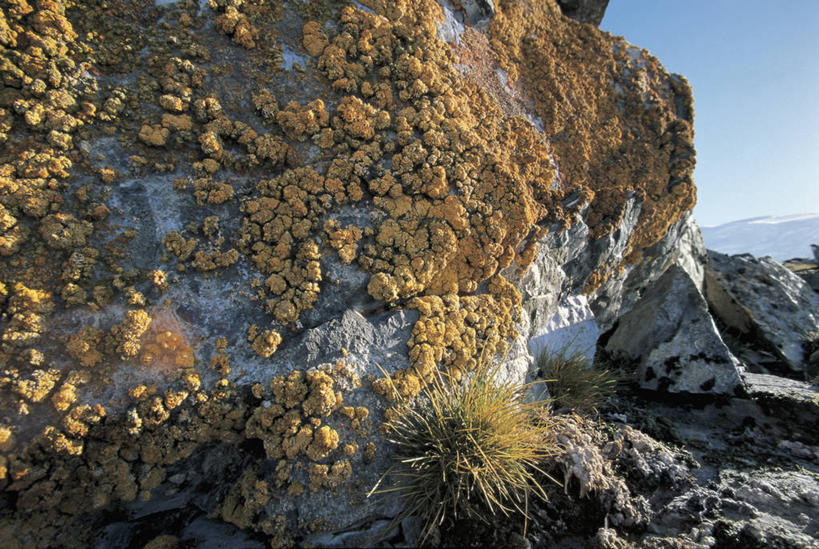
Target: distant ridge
781, 237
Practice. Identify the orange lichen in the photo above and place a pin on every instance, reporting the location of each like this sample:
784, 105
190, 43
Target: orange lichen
165, 346
85, 346
265, 343
302, 121
456, 182
343, 240
127, 335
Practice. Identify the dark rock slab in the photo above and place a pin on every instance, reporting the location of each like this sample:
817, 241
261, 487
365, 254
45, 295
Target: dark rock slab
785, 398
585, 11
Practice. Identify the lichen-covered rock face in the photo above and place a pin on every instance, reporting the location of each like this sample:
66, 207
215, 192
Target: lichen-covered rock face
224, 223
763, 300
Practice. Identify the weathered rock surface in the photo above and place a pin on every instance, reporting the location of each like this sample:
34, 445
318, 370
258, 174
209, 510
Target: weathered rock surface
789, 399
650, 474
807, 269
763, 299
236, 233
674, 342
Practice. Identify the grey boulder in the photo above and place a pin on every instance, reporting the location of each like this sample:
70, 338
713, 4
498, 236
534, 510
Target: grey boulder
674, 342
762, 298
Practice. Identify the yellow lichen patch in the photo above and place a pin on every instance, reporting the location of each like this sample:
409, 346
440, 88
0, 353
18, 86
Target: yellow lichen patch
236, 24
314, 39
454, 331
458, 185
302, 121
64, 397
179, 123
176, 244
27, 308
245, 499
325, 440
359, 119
265, 102
159, 279
163, 542
6, 441
64, 231
38, 386
276, 233
154, 135
210, 226
265, 343
321, 399
205, 261
324, 476
127, 335
292, 427
343, 240
166, 345
208, 191
84, 346
606, 133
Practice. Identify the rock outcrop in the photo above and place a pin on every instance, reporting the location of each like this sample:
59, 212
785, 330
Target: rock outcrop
763, 300
238, 235
672, 339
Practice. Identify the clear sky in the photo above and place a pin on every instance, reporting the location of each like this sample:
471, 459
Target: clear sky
754, 69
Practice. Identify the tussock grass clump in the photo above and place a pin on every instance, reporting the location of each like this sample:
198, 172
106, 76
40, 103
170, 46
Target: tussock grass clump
572, 380
469, 450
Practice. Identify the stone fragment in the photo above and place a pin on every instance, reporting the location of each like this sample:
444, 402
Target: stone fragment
675, 342
585, 11
477, 10
763, 299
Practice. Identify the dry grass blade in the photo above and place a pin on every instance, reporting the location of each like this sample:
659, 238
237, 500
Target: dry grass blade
470, 449
572, 381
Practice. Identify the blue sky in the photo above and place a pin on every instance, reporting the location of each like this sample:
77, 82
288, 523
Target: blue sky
754, 69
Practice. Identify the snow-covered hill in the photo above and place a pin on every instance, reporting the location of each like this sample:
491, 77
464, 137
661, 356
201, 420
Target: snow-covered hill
783, 237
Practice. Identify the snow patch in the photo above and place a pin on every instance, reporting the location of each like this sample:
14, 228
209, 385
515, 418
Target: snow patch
780, 237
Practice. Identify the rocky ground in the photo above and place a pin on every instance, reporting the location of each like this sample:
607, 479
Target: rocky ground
684, 472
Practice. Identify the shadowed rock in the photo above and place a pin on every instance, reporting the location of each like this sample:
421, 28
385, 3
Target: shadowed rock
674, 340
585, 11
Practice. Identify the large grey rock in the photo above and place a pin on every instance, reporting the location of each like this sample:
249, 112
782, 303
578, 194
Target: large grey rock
682, 245
585, 11
765, 300
675, 342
